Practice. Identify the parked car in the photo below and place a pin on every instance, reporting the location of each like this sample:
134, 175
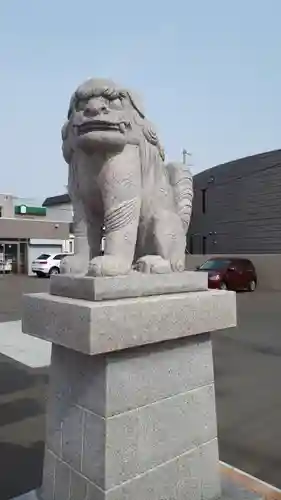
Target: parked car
47, 264
230, 273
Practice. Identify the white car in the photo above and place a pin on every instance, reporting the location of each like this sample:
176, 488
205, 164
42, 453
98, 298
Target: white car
47, 264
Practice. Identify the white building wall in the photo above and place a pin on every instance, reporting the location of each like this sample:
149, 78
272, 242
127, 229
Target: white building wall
63, 212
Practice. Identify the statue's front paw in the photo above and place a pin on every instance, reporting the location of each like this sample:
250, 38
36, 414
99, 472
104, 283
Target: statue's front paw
74, 264
153, 264
109, 265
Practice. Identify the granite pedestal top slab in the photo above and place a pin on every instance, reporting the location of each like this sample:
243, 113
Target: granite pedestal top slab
95, 327
133, 285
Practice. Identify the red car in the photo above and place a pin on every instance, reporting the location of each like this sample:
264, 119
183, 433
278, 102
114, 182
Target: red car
230, 273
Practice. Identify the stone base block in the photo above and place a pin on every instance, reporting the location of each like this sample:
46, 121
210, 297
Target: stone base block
185, 477
230, 491
133, 285
135, 424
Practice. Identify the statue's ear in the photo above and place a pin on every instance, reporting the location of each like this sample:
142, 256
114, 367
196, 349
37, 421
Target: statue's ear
64, 130
136, 102
66, 149
71, 105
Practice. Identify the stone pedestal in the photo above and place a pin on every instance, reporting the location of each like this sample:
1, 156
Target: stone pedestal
131, 410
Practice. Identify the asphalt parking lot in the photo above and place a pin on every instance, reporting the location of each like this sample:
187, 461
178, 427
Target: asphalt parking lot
247, 373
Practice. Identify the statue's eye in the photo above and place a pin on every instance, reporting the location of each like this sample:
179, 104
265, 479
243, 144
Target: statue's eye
116, 103
80, 104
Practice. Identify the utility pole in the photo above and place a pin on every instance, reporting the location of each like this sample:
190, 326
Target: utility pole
185, 155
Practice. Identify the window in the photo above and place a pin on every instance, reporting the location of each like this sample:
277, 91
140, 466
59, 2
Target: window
204, 193
215, 264
43, 256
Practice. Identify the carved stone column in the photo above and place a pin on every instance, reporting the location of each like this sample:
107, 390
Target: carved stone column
131, 409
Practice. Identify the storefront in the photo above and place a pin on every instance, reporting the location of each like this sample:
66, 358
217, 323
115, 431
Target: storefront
13, 256
21, 238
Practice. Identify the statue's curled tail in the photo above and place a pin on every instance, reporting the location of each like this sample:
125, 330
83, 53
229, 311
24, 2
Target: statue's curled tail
180, 178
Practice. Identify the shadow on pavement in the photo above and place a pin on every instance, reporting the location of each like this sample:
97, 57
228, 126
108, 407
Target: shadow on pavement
21, 468
15, 376
22, 426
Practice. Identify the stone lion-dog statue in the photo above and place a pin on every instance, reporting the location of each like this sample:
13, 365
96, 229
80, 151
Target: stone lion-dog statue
118, 183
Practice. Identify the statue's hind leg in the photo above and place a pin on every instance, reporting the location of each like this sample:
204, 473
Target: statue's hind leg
170, 239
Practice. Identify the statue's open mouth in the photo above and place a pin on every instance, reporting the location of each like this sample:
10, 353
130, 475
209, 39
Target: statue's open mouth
99, 126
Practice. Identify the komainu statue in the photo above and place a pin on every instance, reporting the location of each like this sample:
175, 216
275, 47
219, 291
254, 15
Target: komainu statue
119, 183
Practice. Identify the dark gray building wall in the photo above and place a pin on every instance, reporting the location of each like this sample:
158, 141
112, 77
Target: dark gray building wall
242, 207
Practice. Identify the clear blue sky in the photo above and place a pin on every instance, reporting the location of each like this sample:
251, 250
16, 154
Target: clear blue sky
209, 72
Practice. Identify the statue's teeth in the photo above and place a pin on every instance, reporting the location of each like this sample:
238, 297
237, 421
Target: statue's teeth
122, 128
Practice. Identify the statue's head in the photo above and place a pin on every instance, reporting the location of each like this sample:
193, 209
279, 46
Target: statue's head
105, 117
